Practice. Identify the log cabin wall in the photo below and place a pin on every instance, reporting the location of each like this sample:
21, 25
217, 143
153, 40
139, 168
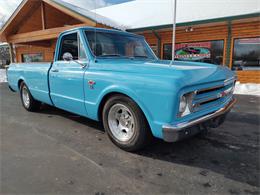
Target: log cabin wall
217, 31
46, 51
199, 33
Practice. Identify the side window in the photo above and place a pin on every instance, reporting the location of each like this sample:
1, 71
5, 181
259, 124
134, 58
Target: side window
69, 43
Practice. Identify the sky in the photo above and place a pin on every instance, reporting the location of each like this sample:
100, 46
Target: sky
8, 6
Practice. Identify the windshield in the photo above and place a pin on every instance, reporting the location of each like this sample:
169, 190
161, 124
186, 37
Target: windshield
106, 44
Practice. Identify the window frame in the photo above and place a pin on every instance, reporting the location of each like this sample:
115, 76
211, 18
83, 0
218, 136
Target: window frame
101, 31
60, 45
233, 48
80, 39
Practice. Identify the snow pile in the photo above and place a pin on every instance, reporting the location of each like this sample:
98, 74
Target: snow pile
247, 88
2, 75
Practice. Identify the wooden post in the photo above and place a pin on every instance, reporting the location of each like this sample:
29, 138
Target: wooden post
43, 16
11, 52
228, 45
159, 39
174, 30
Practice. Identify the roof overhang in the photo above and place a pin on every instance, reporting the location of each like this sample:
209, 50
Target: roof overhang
201, 22
27, 4
11, 18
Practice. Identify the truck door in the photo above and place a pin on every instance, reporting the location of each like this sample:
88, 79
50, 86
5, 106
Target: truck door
67, 74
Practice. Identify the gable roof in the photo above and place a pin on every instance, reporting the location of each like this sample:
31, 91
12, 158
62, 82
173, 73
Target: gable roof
92, 15
81, 12
146, 13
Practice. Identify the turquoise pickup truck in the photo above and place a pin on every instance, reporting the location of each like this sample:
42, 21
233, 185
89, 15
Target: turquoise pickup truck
114, 77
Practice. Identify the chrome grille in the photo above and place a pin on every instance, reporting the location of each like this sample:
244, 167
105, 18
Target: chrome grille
212, 95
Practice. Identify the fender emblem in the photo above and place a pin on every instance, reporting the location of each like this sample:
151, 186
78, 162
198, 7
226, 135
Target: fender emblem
91, 84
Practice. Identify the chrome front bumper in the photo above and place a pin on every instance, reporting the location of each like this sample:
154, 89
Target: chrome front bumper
172, 133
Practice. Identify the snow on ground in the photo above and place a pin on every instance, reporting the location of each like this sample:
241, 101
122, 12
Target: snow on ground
2, 76
247, 88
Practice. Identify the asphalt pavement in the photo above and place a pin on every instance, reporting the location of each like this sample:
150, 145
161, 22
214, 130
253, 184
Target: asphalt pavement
56, 152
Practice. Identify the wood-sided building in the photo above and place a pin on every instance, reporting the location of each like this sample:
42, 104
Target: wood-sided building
220, 32
34, 27
206, 31
231, 42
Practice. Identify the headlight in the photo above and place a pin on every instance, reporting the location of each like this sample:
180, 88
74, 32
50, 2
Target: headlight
185, 106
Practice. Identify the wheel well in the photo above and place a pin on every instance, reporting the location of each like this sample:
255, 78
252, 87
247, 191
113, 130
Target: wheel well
109, 95
104, 100
19, 83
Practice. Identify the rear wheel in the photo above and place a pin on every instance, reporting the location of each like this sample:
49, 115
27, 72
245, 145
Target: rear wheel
29, 103
125, 123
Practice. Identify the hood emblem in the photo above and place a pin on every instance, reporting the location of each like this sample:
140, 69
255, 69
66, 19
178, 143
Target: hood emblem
91, 84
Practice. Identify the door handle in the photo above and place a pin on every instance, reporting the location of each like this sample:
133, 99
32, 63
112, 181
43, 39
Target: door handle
55, 70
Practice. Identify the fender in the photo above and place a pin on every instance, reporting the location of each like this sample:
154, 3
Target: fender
125, 91
21, 78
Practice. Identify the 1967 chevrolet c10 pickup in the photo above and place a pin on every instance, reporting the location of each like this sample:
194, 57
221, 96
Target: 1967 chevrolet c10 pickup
114, 77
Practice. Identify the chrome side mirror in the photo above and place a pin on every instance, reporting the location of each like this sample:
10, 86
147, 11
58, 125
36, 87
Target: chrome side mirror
67, 56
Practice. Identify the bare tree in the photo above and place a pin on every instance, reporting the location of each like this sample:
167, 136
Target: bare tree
2, 21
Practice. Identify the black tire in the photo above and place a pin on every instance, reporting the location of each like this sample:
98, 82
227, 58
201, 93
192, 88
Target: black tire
142, 135
33, 105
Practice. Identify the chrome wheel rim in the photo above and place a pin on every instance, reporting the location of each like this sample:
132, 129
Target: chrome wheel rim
121, 122
26, 97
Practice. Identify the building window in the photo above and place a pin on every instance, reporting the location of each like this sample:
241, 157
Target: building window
206, 51
246, 55
35, 57
167, 51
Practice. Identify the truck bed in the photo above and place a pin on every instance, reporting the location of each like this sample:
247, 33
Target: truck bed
35, 75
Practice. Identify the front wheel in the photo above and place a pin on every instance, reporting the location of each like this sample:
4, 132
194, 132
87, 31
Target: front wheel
125, 123
29, 103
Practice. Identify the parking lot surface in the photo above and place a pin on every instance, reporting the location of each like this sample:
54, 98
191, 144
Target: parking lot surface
56, 152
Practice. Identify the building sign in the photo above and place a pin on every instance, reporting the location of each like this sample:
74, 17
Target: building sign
205, 51
193, 51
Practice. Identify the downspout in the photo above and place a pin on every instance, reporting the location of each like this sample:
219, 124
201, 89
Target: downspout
159, 42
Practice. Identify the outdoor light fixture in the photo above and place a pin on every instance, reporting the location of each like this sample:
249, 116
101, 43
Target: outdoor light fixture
189, 29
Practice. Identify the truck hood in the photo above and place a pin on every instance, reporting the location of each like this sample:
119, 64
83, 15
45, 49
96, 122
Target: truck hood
186, 72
